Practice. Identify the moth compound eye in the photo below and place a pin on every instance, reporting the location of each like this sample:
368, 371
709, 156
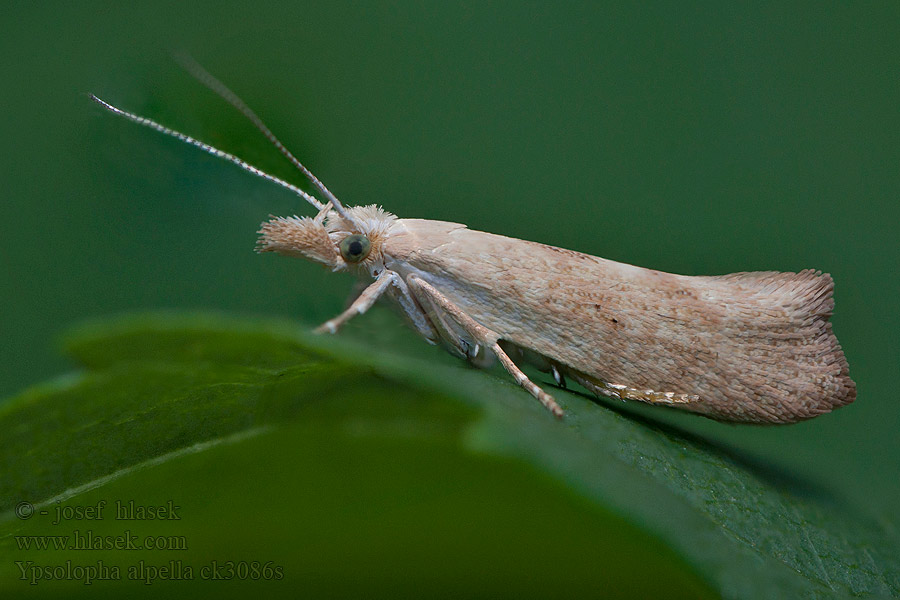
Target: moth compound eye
355, 248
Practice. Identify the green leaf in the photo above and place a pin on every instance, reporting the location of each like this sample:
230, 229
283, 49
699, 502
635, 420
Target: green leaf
356, 471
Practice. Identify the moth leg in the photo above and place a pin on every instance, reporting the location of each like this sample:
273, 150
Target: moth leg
471, 352
445, 331
558, 376
358, 288
448, 335
486, 337
415, 313
362, 303
474, 352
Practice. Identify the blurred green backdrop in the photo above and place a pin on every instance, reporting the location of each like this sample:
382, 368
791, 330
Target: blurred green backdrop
699, 140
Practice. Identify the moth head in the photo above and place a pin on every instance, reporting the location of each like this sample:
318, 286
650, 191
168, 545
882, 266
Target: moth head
330, 239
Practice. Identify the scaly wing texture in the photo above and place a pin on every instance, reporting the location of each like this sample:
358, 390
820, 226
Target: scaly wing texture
755, 347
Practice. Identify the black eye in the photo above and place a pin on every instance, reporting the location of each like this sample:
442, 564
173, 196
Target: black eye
355, 247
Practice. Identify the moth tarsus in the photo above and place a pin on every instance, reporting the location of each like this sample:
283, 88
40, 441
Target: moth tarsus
746, 347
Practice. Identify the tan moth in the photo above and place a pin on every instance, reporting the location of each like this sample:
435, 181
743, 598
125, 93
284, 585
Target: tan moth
752, 347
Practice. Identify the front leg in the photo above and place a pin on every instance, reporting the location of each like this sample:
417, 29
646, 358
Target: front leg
362, 303
483, 336
390, 282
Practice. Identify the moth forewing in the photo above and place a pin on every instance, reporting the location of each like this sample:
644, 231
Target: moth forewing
746, 347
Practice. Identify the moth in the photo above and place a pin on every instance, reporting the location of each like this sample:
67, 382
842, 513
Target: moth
753, 347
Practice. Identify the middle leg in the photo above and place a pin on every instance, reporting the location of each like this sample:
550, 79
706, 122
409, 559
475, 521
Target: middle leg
483, 336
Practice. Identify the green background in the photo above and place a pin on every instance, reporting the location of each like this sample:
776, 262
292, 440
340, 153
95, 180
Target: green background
698, 139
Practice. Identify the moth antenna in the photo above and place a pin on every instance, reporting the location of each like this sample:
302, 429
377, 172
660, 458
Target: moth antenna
197, 71
207, 148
